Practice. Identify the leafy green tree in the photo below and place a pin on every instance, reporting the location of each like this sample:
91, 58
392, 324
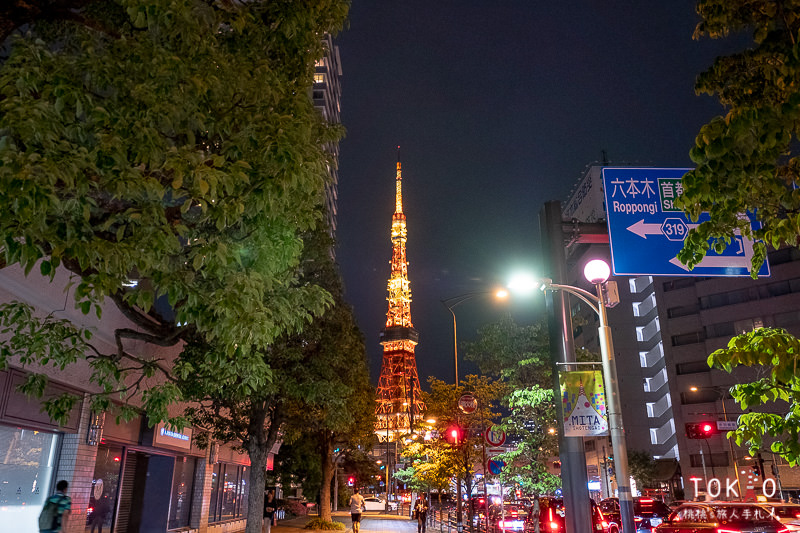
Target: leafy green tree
167, 156
442, 403
337, 407
519, 356
747, 159
775, 354
642, 468
432, 466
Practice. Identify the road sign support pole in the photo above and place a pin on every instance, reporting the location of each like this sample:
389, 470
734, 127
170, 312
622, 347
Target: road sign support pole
562, 349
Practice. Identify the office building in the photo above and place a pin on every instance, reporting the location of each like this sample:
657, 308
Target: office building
663, 330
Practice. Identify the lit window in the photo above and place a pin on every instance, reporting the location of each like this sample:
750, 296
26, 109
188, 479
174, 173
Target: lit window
319, 78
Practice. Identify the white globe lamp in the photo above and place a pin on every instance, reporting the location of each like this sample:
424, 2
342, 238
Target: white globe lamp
596, 271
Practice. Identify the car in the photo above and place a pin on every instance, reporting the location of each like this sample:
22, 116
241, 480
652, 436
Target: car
377, 504
787, 514
546, 515
647, 514
718, 517
506, 517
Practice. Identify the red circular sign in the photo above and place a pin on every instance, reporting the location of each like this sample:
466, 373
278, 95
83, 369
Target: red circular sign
495, 436
468, 403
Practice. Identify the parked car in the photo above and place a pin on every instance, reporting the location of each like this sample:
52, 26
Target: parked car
787, 514
508, 517
377, 504
647, 514
718, 517
546, 515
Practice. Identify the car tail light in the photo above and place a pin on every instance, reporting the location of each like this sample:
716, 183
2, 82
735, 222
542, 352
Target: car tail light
604, 524
720, 530
553, 525
785, 530
646, 500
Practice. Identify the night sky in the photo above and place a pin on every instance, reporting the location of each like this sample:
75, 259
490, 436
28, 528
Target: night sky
498, 107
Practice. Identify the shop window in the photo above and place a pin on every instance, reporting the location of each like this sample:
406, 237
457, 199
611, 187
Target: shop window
181, 498
229, 489
26, 476
105, 485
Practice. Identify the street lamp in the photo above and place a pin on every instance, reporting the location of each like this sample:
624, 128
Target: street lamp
450, 304
597, 272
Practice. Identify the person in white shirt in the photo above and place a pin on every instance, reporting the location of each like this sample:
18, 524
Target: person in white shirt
356, 506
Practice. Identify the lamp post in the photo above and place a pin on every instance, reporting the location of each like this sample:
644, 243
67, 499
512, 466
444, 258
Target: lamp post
597, 273
450, 304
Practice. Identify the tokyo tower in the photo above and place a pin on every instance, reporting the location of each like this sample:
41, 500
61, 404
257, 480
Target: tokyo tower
399, 399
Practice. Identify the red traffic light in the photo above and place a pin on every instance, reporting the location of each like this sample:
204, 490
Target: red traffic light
700, 430
454, 435
351, 481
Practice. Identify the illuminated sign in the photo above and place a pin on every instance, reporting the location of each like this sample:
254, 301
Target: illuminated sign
164, 436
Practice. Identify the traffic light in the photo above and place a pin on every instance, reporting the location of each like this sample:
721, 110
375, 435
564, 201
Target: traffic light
454, 435
700, 430
351, 481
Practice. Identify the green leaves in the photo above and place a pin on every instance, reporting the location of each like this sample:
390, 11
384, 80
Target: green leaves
746, 160
775, 354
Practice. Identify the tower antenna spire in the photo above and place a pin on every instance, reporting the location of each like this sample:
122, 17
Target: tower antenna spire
399, 397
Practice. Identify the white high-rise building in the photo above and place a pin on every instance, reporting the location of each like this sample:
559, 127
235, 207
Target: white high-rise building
663, 331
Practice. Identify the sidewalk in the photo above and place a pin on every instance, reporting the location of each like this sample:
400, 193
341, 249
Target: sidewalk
370, 523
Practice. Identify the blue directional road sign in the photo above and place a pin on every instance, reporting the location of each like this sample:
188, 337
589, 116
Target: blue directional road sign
646, 231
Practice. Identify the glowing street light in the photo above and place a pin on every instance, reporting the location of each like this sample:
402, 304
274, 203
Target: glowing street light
597, 272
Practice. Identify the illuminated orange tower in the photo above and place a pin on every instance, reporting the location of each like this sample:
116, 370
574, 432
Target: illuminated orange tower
399, 400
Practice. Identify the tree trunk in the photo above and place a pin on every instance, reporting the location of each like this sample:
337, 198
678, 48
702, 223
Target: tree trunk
259, 444
327, 477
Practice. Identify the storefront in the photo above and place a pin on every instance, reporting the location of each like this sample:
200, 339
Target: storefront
29, 452
135, 479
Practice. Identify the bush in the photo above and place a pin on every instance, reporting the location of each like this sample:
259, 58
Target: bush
319, 523
295, 507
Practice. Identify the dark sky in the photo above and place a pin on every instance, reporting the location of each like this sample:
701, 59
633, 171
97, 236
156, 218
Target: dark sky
498, 106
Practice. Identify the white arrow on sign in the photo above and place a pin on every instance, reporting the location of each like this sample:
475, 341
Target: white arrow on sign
643, 229
742, 259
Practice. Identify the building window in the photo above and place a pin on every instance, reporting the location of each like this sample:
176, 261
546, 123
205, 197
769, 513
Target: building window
715, 459
319, 77
785, 320
786, 255
26, 473
688, 338
724, 329
692, 368
684, 310
105, 486
679, 283
182, 484
229, 489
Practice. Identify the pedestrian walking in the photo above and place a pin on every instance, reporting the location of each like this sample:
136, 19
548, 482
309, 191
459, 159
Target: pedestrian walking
269, 512
357, 505
421, 513
54, 515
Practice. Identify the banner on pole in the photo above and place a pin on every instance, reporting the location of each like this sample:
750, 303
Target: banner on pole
583, 401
